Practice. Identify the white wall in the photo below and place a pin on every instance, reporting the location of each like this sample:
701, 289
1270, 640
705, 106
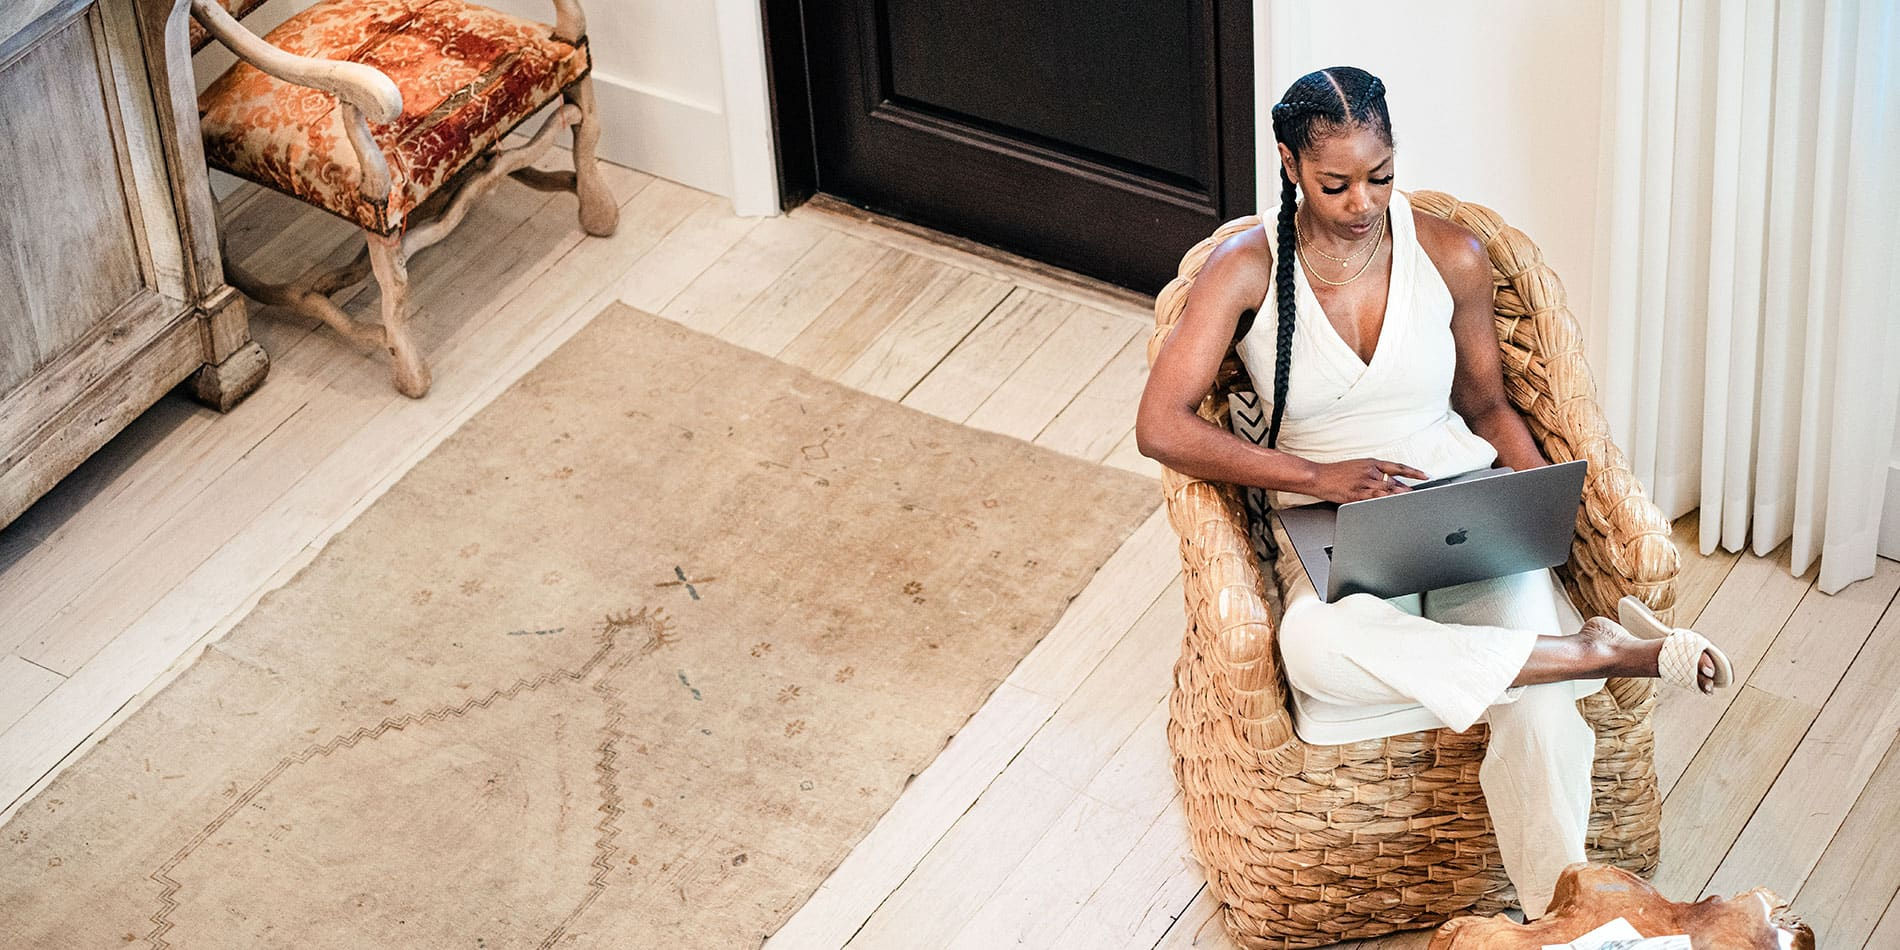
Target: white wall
661, 68
1496, 103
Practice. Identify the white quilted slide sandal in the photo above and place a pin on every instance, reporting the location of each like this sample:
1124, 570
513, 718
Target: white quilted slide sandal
1682, 647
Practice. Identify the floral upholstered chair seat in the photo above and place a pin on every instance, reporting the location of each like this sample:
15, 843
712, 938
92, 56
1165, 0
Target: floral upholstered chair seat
467, 76
377, 111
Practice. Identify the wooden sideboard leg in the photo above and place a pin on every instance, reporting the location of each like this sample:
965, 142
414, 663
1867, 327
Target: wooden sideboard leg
235, 365
223, 385
227, 323
391, 266
599, 215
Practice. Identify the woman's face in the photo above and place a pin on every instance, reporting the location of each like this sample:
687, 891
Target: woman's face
1346, 181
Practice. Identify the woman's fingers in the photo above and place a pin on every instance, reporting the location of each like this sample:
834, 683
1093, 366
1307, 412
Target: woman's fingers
1382, 481
1400, 468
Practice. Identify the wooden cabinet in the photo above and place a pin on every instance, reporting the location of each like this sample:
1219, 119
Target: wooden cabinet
111, 291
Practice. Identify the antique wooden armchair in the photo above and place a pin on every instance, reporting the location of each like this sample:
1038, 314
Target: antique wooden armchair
386, 113
1308, 844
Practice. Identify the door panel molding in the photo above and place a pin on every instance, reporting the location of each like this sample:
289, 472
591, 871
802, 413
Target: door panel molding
844, 131
955, 130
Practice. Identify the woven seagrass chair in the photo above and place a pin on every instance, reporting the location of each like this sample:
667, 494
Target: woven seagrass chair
1306, 845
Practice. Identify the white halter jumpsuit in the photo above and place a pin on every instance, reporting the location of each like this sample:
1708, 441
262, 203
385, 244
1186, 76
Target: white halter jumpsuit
1453, 650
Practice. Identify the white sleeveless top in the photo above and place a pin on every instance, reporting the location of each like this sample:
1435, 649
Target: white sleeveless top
1397, 407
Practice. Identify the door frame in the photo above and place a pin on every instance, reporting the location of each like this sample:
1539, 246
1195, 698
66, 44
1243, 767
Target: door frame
788, 90
788, 85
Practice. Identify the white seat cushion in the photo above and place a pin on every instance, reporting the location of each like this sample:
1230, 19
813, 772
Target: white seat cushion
1322, 723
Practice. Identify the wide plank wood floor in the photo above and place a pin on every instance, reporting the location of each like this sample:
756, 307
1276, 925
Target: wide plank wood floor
1051, 819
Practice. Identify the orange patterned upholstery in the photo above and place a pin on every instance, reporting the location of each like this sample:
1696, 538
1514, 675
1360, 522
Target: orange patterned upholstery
467, 74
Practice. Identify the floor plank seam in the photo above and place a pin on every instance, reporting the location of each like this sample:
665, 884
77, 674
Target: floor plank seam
1072, 400
908, 874
206, 486
10, 808
900, 235
1858, 795
746, 306
43, 667
1793, 751
1891, 747
1183, 916
1014, 755
1892, 903
960, 340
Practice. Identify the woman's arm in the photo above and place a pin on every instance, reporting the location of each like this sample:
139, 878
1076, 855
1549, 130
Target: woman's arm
1477, 388
1167, 428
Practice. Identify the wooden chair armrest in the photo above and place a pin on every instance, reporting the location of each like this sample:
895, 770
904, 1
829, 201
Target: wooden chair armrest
365, 87
570, 24
366, 94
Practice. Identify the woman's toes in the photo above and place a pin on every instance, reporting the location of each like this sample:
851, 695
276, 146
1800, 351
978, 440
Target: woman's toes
1707, 681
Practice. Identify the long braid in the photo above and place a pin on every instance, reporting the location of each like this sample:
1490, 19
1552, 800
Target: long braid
1283, 280
1319, 103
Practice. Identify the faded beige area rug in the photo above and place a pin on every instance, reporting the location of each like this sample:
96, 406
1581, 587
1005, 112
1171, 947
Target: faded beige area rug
631, 660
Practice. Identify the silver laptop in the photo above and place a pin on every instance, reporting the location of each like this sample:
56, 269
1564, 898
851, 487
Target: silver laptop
1466, 527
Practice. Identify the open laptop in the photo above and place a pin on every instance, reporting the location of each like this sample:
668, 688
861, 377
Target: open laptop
1453, 530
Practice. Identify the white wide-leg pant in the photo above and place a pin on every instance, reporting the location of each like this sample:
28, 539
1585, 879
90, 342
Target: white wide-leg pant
1455, 651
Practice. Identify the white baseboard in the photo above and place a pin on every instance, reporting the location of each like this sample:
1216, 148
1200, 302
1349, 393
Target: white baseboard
661, 135
1889, 544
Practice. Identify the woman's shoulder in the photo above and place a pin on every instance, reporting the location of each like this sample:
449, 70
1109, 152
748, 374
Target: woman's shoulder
1453, 249
1241, 265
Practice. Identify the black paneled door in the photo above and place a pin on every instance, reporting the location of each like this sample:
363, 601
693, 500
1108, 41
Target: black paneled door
1104, 136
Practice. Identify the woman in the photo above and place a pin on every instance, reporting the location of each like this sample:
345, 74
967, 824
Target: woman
1384, 362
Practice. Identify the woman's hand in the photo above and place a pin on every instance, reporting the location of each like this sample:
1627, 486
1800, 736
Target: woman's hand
1356, 479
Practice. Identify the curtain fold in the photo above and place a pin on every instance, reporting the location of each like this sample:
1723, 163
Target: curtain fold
1747, 337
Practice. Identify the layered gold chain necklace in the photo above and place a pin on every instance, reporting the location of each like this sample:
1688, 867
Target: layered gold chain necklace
1300, 239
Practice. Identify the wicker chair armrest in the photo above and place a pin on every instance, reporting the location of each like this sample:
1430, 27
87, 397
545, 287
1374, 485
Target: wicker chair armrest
1623, 543
1228, 618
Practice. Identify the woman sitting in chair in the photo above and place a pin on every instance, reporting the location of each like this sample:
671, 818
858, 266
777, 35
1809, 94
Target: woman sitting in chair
1384, 361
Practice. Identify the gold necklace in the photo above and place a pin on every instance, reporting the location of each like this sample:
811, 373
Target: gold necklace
1362, 268
1299, 234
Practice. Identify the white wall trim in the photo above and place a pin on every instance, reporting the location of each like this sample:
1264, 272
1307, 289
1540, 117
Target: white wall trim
1889, 544
754, 168
662, 134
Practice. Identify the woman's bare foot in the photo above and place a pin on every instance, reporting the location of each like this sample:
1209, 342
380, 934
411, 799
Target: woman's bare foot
1601, 648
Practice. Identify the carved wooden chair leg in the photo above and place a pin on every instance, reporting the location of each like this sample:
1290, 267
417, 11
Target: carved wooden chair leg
391, 266
599, 214
309, 294
497, 164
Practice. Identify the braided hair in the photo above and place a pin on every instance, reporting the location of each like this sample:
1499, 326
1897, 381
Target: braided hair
1318, 105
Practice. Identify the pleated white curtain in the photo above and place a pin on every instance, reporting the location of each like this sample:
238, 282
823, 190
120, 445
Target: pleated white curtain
1746, 333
